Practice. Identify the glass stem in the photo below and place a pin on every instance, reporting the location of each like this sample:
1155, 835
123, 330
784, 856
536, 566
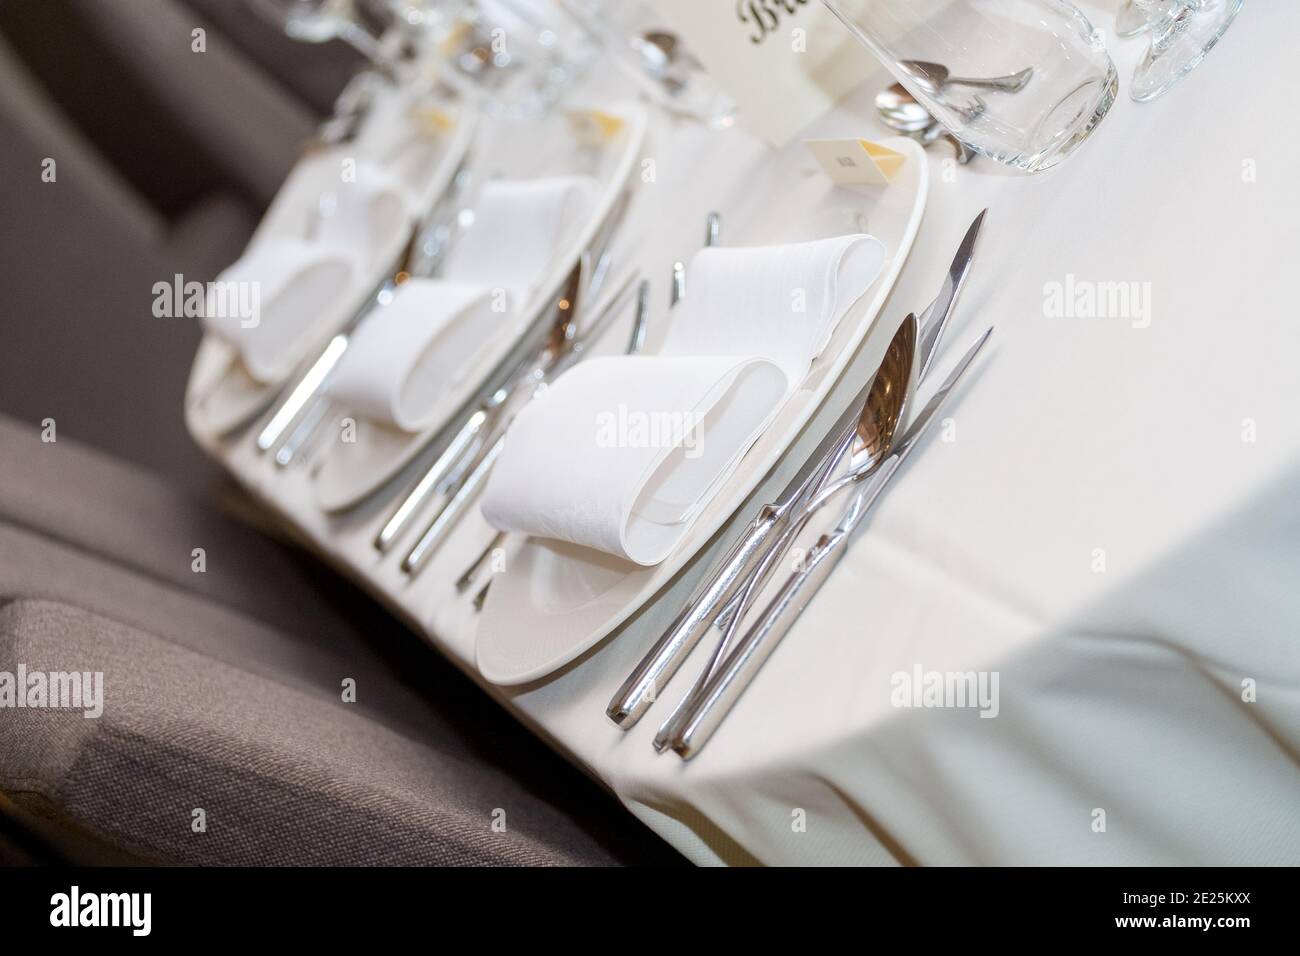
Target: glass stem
369, 47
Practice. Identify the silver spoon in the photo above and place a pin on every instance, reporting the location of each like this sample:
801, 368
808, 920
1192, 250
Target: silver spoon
901, 110
902, 113
935, 76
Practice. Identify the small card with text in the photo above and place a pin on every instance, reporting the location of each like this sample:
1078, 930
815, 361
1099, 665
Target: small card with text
856, 162
784, 62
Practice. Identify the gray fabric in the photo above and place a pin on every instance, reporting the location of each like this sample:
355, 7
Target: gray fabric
78, 260
225, 687
314, 73
245, 124
277, 771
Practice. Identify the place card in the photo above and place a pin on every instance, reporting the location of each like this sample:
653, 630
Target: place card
784, 62
593, 127
431, 122
856, 162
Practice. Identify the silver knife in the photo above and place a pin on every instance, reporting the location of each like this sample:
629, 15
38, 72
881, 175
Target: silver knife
727, 685
932, 330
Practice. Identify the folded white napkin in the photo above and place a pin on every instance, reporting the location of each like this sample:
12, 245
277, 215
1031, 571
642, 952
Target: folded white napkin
289, 281
519, 227
621, 454
294, 281
413, 351
780, 302
624, 469
434, 336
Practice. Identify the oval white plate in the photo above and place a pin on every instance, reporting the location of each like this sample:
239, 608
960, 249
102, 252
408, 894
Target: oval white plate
556, 600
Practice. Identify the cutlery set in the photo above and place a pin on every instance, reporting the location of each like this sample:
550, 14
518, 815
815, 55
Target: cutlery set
866, 443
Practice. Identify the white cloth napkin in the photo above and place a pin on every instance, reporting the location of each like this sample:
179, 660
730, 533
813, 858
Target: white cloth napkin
297, 280
625, 469
289, 281
781, 302
621, 454
434, 336
519, 226
420, 346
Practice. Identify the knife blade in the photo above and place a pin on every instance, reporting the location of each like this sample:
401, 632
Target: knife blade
942, 306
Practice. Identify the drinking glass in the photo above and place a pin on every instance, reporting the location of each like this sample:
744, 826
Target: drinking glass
639, 44
1182, 33
1130, 20
502, 52
1023, 82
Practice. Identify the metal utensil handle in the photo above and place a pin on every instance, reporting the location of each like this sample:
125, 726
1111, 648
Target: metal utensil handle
654, 671
727, 686
473, 571
724, 688
747, 587
1011, 83
451, 512
745, 596
452, 455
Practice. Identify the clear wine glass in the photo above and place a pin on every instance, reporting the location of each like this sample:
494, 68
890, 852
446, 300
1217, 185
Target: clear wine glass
499, 52
1023, 82
1130, 21
1182, 33
634, 36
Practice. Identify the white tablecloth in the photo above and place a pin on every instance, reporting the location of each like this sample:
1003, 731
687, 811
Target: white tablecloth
1114, 527
1079, 439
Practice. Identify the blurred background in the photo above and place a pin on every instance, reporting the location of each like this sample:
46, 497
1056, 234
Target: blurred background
165, 159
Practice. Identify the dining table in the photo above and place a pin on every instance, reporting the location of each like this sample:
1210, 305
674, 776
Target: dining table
1104, 529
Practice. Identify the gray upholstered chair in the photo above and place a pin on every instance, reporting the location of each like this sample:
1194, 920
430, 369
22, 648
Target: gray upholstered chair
223, 688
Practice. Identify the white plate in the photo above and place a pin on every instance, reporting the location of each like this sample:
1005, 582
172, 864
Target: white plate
556, 600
